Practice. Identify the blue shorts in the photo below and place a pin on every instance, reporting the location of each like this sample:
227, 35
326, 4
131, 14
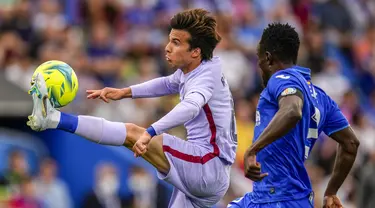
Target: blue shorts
244, 202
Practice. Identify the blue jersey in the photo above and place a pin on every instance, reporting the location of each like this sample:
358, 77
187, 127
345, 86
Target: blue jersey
284, 158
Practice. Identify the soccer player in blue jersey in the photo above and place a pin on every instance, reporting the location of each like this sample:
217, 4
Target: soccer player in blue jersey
291, 114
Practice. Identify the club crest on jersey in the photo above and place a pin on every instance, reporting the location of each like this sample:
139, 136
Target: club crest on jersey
289, 91
257, 119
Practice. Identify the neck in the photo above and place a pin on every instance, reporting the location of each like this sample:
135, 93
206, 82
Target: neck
282, 66
190, 67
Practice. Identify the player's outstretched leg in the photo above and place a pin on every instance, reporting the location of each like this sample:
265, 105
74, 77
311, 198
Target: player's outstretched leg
98, 130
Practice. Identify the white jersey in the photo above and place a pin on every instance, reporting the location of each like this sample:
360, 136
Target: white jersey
214, 126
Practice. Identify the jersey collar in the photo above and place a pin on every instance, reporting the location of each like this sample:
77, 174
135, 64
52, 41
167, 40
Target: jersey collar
306, 72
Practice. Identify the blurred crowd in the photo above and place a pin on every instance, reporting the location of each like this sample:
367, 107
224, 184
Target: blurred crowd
21, 188
117, 43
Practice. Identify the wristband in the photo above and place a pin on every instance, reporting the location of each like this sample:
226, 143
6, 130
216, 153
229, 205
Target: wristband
150, 130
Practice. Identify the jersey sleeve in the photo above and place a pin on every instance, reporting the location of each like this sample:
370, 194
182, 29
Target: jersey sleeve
203, 84
186, 110
283, 84
335, 119
157, 87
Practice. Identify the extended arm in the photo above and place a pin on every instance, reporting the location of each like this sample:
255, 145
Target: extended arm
153, 88
156, 87
286, 118
345, 156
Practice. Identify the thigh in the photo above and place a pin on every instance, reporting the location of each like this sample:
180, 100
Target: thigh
155, 155
203, 181
179, 199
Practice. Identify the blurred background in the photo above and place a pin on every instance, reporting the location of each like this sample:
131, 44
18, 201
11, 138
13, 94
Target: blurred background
117, 43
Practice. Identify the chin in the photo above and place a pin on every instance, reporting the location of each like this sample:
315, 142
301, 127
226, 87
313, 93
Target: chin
174, 67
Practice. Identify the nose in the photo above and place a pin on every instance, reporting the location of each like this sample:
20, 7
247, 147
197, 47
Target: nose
168, 48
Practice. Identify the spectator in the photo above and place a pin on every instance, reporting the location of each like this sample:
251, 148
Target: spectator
147, 193
366, 187
17, 172
27, 196
52, 190
105, 191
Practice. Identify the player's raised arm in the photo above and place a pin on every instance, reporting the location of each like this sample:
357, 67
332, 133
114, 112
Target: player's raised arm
286, 118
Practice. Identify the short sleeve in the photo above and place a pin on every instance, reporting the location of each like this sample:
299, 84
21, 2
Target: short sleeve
283, 83
204, 84
335, 119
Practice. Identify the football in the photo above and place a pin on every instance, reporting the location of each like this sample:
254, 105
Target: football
61, 81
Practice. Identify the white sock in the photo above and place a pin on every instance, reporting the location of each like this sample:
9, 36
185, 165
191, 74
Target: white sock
92, 128
101, 131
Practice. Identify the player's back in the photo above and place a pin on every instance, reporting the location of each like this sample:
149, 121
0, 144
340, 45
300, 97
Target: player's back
284, 158
214, 127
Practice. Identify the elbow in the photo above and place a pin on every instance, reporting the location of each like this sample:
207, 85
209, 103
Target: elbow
294, 114
193, 109
355, 144
351, 145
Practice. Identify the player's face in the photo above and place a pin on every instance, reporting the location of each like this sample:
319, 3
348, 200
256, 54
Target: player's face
264, 64
178, 53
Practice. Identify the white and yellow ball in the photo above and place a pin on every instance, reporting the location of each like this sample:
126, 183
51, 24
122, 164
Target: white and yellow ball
61, 81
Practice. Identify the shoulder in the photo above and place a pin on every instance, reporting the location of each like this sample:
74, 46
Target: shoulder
213, 65
285, 74
323, 96
206, 70
287, 77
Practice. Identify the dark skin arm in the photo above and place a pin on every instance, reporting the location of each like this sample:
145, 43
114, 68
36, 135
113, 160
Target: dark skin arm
345, 156
286, 118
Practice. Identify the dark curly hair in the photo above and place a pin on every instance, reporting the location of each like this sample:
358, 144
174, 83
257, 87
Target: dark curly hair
282, 41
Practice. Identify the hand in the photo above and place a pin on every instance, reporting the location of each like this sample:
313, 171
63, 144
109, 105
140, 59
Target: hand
332, 201
107, 94
140, 147
253, 168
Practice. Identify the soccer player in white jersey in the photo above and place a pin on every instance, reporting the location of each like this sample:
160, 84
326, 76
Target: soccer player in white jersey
199, 167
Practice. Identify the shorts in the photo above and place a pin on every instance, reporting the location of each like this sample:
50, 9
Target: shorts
199, 178
245, 202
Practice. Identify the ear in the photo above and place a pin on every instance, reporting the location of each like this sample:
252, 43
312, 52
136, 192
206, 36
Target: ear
269, 58
196, 53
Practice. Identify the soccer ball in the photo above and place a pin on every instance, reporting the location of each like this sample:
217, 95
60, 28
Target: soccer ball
61, 81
